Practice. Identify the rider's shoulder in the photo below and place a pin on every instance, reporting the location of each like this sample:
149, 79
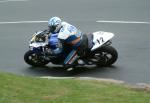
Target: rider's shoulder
65, 27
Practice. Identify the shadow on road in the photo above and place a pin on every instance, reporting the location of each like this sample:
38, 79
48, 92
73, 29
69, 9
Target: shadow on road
58, 71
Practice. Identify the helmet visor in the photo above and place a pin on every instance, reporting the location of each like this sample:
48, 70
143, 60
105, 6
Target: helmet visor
52, 28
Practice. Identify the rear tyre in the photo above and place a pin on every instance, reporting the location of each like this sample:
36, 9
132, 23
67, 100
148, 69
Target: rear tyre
106, 56
32, 58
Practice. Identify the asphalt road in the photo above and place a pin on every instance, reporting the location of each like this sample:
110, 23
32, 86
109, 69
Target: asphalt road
131, 38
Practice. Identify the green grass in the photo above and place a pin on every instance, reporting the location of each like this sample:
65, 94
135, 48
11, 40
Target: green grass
20, 89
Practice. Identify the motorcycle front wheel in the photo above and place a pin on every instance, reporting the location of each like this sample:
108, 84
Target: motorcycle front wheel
105, 56
32, 58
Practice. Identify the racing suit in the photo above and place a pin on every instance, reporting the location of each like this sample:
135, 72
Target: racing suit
70, 38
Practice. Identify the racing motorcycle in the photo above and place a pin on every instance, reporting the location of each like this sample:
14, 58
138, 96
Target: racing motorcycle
101, 53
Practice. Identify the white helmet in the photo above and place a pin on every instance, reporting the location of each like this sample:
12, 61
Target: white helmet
54, 24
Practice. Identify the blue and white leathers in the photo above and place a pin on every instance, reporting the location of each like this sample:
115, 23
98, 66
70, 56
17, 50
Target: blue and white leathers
69, 34
53, 43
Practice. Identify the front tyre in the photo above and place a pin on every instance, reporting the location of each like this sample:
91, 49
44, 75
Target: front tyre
32, 58
106, 56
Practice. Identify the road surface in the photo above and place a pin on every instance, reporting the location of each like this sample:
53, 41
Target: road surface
129, 20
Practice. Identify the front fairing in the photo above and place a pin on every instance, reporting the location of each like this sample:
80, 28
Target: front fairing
37, 40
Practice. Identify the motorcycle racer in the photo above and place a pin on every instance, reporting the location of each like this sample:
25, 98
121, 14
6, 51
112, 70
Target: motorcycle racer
65, 44
69, 37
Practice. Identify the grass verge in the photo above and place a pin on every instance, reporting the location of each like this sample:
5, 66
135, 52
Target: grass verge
21, 89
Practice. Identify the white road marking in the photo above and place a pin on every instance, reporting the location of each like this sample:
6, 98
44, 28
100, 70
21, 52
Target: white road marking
99, 21
123, 22
23, 22
4, 1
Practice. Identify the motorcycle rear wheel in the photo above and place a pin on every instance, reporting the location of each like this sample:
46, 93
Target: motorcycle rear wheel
33, 59
106, 56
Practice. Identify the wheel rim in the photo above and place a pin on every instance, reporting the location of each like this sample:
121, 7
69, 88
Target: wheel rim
102, 58
106, 56
34, 58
